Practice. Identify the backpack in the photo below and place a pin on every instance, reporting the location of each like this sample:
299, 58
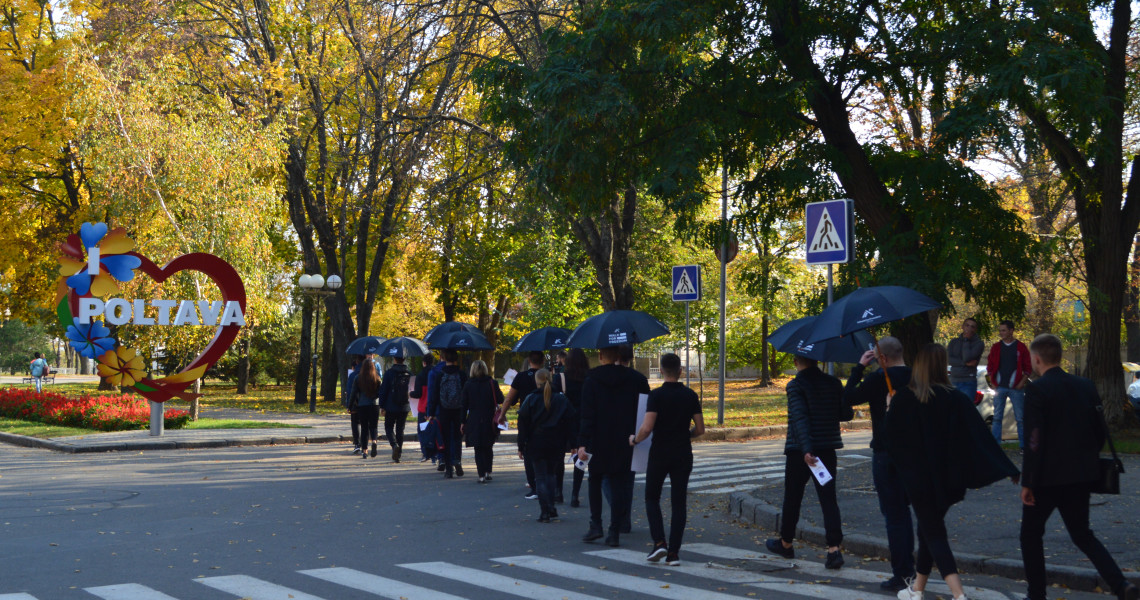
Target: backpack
398, 397
449, 397
39, 366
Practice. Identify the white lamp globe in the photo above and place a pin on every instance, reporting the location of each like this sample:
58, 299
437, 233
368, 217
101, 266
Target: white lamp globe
305, 281
333, 282
316, 281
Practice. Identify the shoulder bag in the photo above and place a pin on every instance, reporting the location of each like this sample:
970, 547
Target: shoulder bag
1108, 469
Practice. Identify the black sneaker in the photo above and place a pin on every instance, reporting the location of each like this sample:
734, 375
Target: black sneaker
397, 453
672, 560
458, 470
373, 450
894, 584
612, 539
659, 551
424, 459
356, 449
776, 546
531, 496
488, 477
447, 474
834, 560
594, 533
441, 467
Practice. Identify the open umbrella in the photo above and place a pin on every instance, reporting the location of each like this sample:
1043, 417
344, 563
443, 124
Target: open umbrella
460, 340
403, 347
450, 327
791, 337
616, 327
364, 345
868, 307
539, 340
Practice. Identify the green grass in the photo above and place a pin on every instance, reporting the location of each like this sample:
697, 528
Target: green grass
40, 430
238, 424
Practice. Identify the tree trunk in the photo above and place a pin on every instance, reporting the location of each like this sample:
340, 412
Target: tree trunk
1132, 306
1106, 262
195, 405
305, 358
243, 366
330, 367
607, 238
765, 373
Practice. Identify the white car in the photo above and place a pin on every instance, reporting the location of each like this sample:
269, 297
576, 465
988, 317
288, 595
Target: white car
984, 400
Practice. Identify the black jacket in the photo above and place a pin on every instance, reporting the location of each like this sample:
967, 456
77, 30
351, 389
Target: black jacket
815, 404
609, 416
942, 447
481, 396
390, 399
1063, 430
872, 390
543, 432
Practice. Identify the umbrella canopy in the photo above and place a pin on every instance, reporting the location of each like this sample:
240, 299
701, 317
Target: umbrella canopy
403, 347
450, 327
868, 307
791, 337
460, 340
540, 340
364, 345
616, 327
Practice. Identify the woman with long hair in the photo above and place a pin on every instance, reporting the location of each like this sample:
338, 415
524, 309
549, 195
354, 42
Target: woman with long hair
932, 433
569, 382
367, 388
481, 396
545, 420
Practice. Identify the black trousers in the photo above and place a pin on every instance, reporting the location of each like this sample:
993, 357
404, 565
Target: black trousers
483, 458
678, 470
354, 417
545, 466
796, 476
369, 424
619, 504
528, 468
933, 541
578, 474
449, 422
1072, 501
394, 423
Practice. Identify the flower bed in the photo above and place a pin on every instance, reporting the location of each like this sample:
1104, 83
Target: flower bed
103, 413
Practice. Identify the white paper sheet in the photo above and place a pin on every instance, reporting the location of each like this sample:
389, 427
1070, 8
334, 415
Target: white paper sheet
423, 425
641, 451
509, 377
582, 464
822, 475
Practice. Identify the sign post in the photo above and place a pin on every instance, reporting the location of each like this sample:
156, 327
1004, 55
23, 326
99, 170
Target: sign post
686, 288
829, 227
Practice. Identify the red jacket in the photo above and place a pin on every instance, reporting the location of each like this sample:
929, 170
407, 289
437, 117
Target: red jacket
1024, 368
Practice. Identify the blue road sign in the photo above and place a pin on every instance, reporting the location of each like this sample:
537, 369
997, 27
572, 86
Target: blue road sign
686, 283
828, 227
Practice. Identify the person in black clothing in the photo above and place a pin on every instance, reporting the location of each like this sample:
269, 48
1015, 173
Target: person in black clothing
570, 383
427, 447
481, 395
521, 387
815, 407
609, 416
1064, 432
939, 446
394, 404
668, 413
625, 359
545, 422
367, 388
872, 390
350, 405
445, 405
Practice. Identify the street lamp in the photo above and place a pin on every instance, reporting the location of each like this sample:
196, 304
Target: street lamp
312, 286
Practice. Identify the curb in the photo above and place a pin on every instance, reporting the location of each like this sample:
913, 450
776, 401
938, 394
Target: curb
754, 511
722, 434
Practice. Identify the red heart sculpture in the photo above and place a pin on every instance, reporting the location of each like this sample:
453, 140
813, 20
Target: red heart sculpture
232, 289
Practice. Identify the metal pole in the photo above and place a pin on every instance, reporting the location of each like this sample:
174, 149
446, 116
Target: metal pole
723, 284
686, 344
316, 343
830, 297
157, 414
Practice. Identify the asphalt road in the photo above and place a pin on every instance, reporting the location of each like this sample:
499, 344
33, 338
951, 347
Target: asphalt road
313, 522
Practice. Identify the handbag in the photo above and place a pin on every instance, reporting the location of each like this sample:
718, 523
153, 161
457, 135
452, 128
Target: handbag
1108, 469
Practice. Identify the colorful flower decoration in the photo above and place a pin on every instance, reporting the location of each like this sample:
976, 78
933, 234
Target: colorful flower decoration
114, 263
121, 367
90, 340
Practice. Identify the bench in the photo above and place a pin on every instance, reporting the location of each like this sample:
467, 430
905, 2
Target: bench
46, 379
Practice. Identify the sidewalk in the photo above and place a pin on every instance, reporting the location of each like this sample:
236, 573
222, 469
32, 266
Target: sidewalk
984, 528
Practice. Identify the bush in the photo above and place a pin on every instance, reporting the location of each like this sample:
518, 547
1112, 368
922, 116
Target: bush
102, 413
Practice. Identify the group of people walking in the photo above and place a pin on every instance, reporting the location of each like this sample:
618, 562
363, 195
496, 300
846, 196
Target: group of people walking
929, 445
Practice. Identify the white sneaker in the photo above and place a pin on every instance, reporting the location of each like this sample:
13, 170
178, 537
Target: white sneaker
910, 593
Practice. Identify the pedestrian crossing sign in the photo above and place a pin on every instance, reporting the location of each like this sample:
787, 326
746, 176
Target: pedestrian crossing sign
686, 283
828, 227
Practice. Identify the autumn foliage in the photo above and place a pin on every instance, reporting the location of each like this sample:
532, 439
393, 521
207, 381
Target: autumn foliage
103, 413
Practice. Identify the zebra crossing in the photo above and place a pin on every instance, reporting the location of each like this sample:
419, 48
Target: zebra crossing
594, 575
713, 475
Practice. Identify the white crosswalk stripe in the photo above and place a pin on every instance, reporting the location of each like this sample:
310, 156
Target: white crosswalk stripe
249, 588
493, 581
20, 596
380, 586
127, 591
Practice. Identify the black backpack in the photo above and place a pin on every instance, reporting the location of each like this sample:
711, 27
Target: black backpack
398, 397
449, 387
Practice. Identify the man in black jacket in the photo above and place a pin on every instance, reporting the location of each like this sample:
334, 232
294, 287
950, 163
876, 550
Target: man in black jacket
1064, 434
872, 390
815, 406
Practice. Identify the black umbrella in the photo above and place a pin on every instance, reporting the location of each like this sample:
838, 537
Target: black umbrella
460, 340
402, 347
364, 345
449, 327
791, 337
539, 340
868, 307
616, 327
